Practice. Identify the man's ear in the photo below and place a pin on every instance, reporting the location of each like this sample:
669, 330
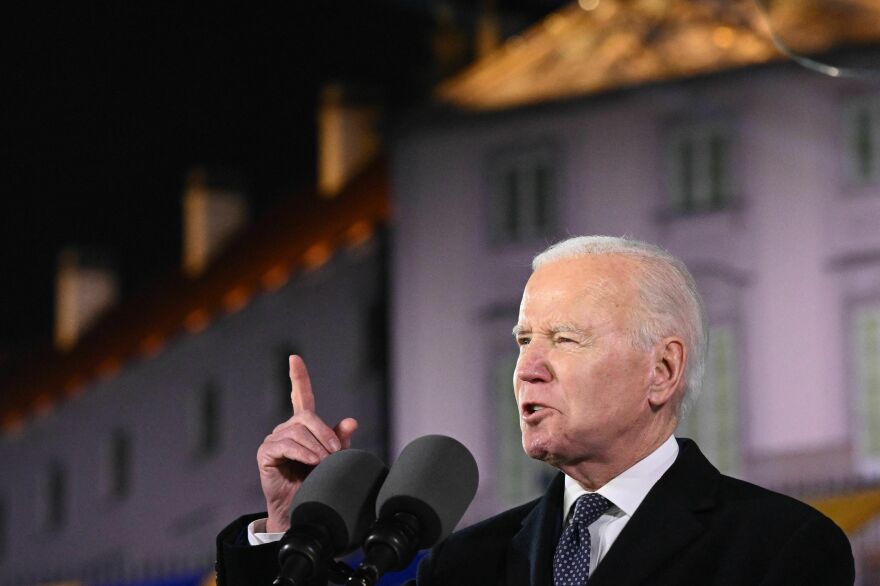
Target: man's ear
670, 358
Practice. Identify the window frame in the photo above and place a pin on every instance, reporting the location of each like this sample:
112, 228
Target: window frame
869, 104
517, 477
200, 447
54, 509
868, 458
110, 486
711, 191
725, 449
524, 161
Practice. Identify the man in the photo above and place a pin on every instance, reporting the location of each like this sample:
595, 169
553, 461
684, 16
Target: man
612, 340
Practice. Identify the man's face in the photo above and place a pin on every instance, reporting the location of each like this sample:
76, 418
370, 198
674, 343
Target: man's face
580, 384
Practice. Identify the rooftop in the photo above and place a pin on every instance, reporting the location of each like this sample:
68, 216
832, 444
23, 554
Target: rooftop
595, 46
300, 235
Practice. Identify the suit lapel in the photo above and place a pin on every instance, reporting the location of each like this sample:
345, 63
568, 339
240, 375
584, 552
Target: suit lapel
530, 555
664, 523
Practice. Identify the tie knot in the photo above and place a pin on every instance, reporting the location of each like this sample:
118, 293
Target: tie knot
589, 507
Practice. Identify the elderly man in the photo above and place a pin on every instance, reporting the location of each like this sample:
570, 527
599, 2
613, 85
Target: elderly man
612, 339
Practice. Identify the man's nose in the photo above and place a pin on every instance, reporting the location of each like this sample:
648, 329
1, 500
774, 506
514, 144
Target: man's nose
532, 366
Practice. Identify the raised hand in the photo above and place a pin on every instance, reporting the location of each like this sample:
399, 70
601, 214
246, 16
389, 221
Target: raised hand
295, 447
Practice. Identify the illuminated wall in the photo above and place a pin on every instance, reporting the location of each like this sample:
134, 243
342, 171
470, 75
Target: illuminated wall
193, 417
746, 176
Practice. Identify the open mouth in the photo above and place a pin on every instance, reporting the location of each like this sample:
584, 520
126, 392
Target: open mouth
531, 409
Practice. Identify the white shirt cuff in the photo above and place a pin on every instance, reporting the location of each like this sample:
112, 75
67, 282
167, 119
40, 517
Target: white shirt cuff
257, 533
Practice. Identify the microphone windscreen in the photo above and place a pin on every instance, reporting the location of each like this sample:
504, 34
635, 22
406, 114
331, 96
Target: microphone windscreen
435, 479
340, 495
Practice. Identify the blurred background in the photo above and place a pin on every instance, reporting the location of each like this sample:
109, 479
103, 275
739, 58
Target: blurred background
188, 194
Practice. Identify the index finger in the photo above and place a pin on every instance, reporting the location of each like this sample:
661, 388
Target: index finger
301, 395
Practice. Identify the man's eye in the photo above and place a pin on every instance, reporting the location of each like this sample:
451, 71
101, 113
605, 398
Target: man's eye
564, 340
522, 341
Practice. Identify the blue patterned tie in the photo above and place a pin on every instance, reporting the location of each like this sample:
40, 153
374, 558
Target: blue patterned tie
571, 562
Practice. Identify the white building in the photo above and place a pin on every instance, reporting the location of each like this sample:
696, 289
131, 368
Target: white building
684, 129
676, 127
124, 455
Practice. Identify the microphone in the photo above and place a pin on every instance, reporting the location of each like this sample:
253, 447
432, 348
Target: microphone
424, 497
330, 514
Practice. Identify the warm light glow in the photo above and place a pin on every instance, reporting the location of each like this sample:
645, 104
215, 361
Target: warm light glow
152, 345
83, 292
236, 299
211, 217
588, 5
43, 404
275, 277
358, 233
515, 42
109, 367
595, 46
13, 421
316, 255
196, 321
850, 511
723, 37
555, 23
74, 388
347, 140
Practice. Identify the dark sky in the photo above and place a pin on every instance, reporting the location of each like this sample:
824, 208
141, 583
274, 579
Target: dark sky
108, 105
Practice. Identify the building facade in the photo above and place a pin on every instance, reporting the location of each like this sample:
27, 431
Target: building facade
764, 181
131, 477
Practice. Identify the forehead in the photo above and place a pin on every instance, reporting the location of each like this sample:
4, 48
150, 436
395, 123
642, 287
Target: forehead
584, 282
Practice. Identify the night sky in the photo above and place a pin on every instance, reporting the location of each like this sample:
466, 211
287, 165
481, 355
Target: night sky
109, 105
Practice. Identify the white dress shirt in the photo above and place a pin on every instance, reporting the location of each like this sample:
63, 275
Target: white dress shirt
626, 491
257, 533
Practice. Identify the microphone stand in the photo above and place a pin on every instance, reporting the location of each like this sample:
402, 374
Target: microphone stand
391, 545
304, 557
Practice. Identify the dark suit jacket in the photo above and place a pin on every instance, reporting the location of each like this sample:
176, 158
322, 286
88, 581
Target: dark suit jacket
695, 527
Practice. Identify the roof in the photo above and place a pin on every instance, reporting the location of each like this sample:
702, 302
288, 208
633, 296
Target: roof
595, 46
297, 236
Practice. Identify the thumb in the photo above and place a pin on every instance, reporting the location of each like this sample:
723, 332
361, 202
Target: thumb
344, 430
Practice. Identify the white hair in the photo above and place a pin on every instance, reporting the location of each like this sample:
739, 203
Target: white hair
671, 303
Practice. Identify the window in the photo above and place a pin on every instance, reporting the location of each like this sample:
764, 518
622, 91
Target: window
55, 497
524, 195
118, 464
867, 358
714, 420
863, 134
208, 416
519, 478
700, 173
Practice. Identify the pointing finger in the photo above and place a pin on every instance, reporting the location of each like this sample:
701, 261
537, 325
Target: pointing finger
301, 395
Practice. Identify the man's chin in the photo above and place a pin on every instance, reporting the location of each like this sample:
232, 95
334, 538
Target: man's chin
539, 449
545, 450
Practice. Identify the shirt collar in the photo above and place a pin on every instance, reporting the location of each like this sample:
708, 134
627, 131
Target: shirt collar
628, 489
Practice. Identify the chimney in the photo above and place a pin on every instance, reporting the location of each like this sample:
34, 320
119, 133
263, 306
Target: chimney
347, 139
449, 43
488, 34
85, 287
214, 210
